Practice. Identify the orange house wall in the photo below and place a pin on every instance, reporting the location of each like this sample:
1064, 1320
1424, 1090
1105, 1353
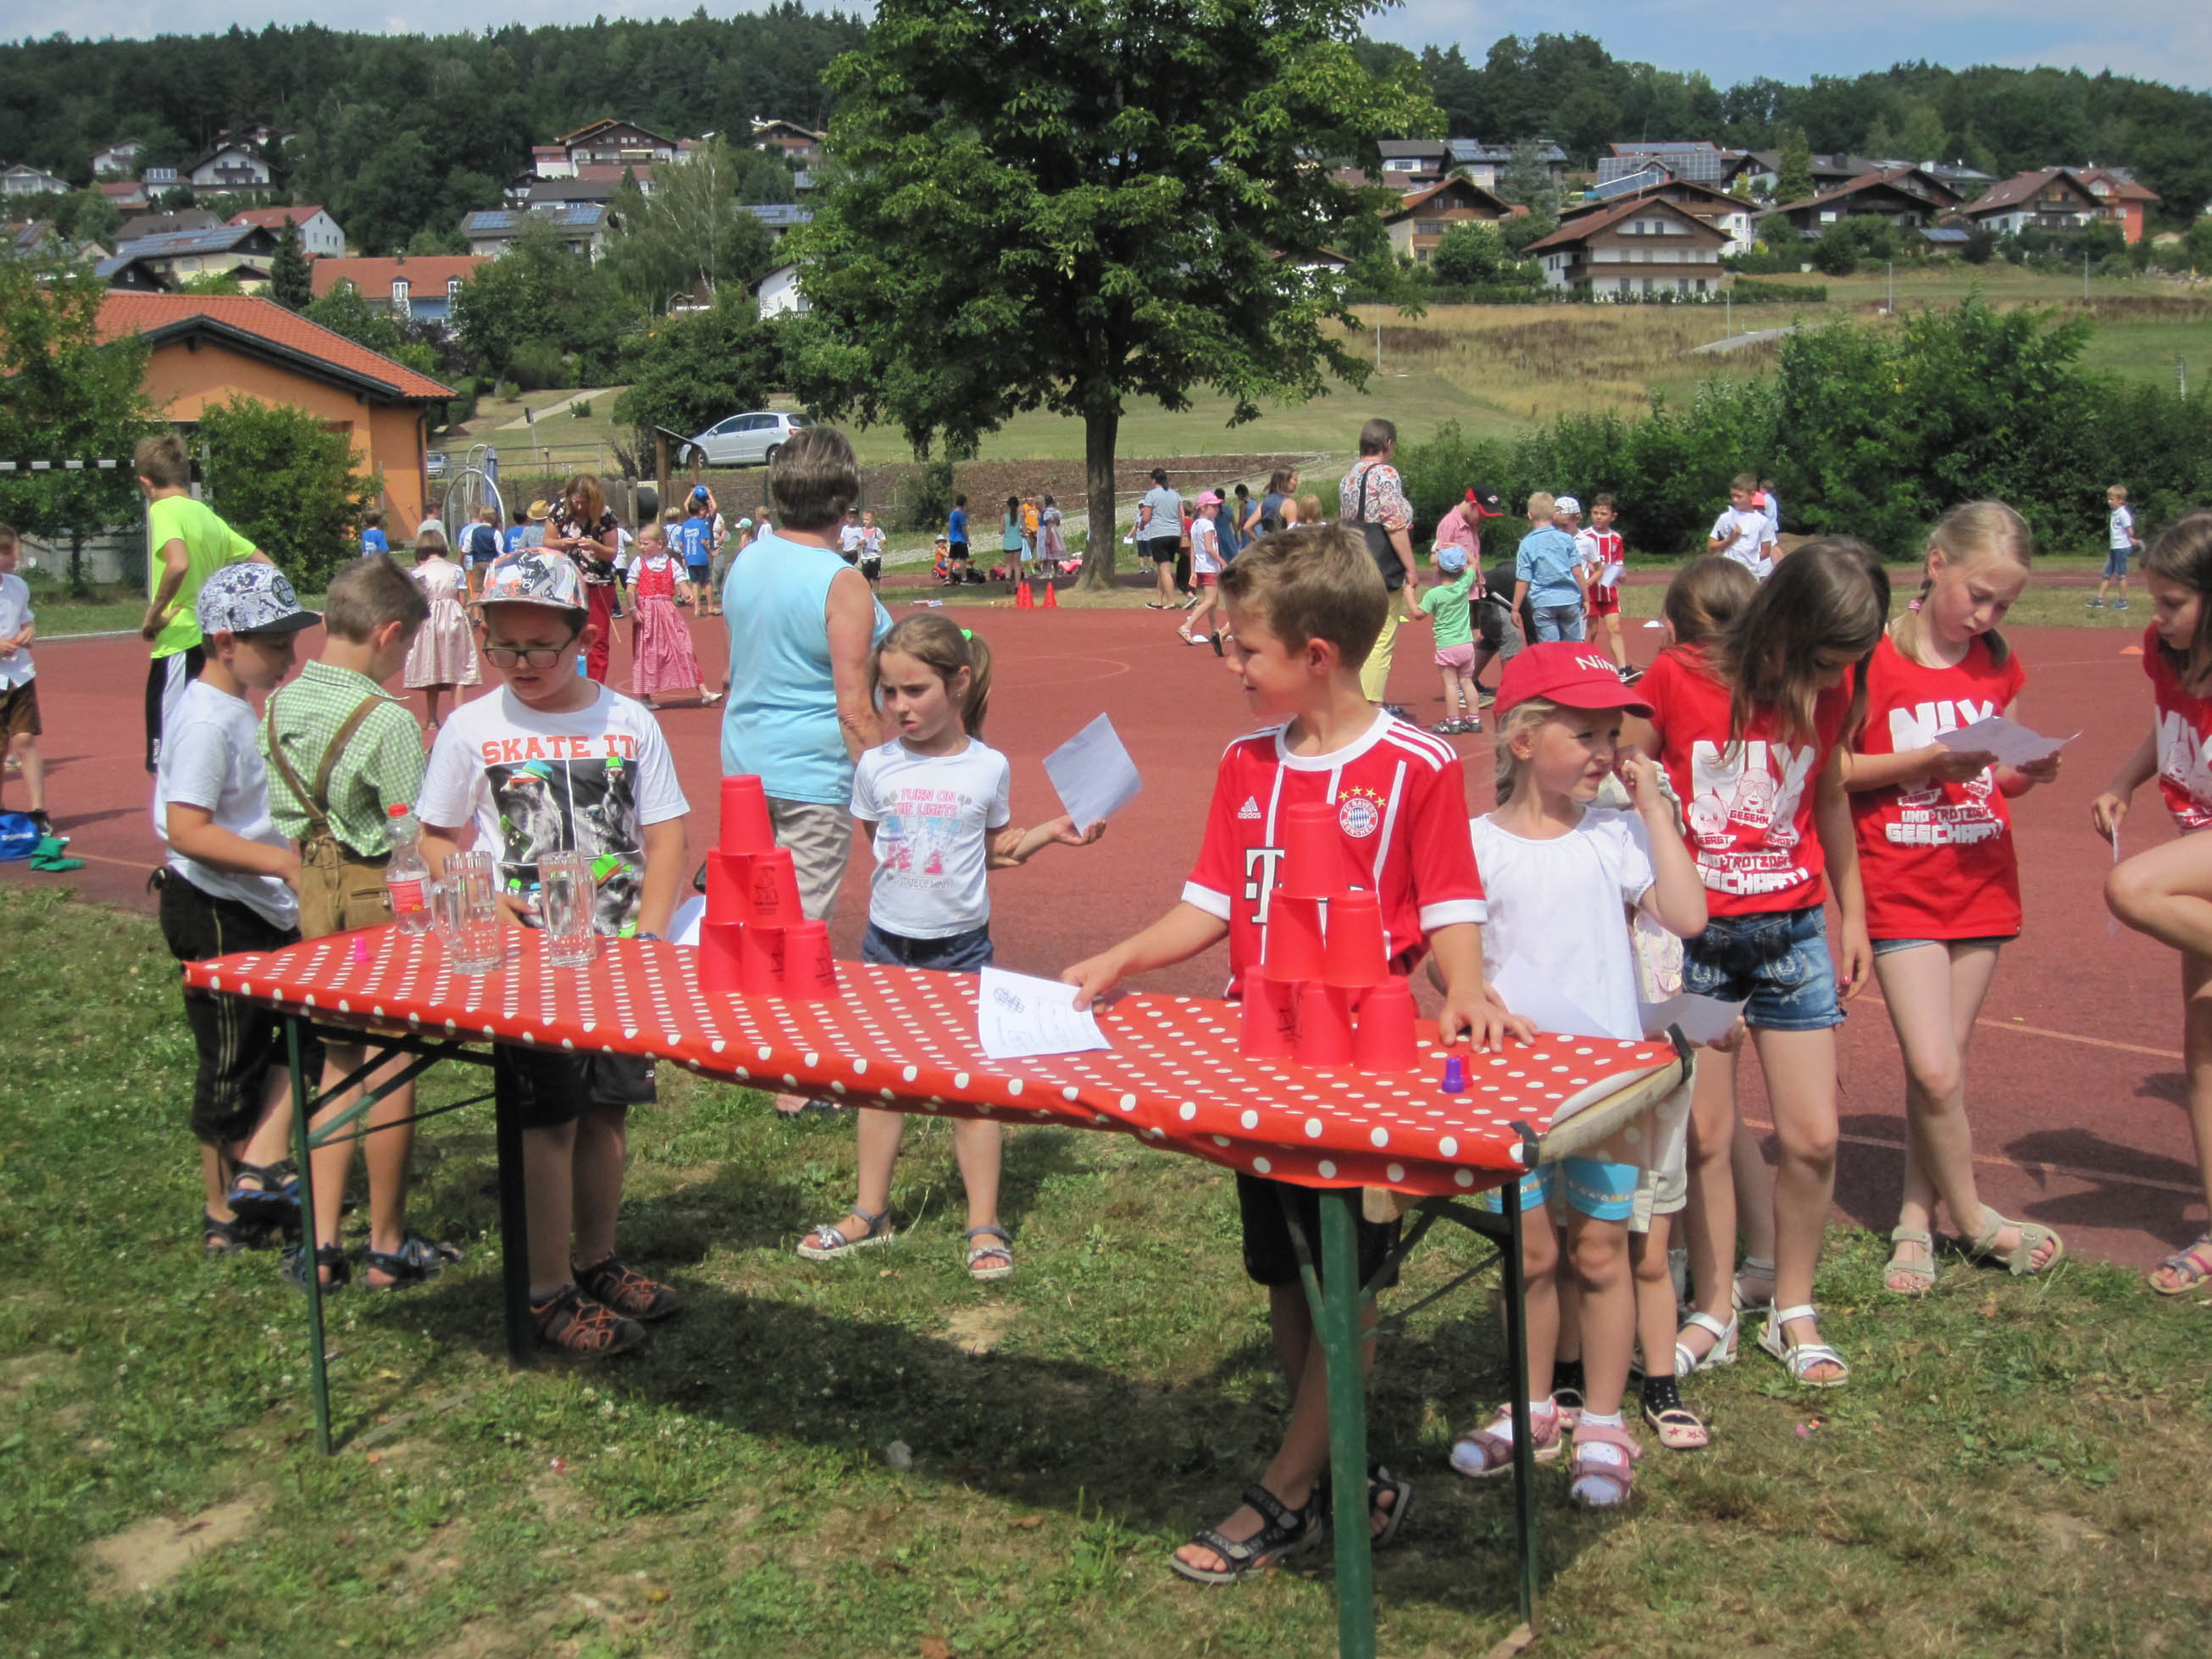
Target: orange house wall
388, 438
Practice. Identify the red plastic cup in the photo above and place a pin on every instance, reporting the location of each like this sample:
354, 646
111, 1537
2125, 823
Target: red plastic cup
1313, 864
1294, 938
809, 972
760, 961
775, 890
1382, 1039
1324, 1026
1352, 956
745, 828
1270, 1028
729, 886
721, 959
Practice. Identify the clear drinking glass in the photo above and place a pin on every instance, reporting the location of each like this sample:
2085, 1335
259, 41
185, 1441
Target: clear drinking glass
566, 897
467, 914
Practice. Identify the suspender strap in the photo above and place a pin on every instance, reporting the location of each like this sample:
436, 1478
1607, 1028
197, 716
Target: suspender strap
316, 806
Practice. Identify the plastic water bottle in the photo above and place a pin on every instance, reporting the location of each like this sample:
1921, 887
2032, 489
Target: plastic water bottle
406, 877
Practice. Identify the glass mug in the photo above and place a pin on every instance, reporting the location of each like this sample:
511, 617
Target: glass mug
565, 904
465, 914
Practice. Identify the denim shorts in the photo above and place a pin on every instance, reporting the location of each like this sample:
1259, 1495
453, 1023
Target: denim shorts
2115, 563
1882, 947
1559, 621
955, 953
1601, 1190
1776, 961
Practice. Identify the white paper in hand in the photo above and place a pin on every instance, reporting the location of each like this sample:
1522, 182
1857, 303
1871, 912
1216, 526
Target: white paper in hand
1704, 1020
1610, 576
1017, 1016
1093, 774
2013, 743
1526, 992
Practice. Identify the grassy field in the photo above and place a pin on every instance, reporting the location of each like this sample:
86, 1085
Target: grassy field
2015, 1471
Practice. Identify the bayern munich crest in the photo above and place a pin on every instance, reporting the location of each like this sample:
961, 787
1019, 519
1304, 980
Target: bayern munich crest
1359, 816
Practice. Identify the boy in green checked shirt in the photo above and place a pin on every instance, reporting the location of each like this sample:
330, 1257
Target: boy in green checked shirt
1448, 604
342, 751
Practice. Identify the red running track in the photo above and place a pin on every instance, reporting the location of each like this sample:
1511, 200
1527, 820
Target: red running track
2075, 1084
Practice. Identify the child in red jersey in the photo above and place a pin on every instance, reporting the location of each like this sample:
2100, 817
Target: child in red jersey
2166, 892
1602, 550
1939, 870
1750, 728
1302, 607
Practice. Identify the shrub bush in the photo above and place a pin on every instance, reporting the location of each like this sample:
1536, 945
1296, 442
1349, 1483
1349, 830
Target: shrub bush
279, 476
538, 366
926, 497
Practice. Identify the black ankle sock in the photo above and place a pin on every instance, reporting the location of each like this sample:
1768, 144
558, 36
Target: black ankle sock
1660, 1393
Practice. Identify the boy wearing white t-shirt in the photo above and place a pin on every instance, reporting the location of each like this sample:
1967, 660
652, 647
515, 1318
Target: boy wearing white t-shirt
1743, 532
228, 886
554, 763
2120, 540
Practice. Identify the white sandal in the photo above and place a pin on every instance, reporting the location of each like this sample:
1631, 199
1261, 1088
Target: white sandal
1723, 1352
1802, 1356
835, 1244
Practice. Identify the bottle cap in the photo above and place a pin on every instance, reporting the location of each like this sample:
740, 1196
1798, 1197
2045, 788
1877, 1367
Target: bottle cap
1454, 1075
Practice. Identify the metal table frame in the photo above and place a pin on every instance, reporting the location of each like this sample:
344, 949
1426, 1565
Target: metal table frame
1333, 1288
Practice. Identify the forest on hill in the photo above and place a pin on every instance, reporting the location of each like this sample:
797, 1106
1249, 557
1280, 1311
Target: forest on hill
402, 134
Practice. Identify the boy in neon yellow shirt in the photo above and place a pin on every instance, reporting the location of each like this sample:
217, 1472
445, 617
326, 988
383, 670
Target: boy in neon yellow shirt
187, 543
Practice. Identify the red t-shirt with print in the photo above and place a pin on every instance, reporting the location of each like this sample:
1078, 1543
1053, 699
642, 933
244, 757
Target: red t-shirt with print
1401, 800
1749, 805
2184, 738
1936, 860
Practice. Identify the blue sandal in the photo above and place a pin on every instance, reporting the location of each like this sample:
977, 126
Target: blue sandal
416, 1260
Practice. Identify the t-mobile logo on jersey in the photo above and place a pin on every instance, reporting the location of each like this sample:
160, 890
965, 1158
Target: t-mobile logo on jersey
1743, 813
1260, 864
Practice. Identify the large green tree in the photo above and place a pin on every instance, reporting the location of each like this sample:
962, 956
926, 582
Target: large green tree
1066, 204
283, 478
291, 283
70, 398
539, 293
691, 370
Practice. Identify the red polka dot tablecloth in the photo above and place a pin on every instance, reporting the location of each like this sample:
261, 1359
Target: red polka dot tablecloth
905, 1038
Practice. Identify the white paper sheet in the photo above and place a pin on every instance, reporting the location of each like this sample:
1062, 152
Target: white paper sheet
1525, 990
684, 926
1610, 576
1093, 774
1703, 1020
2013, 743
1017, 1016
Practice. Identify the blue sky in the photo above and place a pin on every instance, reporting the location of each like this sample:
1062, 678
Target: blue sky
2164, 39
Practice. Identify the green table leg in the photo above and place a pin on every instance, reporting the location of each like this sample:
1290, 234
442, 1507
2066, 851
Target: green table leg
1339, 1330
303, 1110
514, 1227
1517, 1367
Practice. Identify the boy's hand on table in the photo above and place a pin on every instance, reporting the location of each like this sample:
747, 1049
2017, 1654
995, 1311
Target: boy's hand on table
1481, 1019
1095, 976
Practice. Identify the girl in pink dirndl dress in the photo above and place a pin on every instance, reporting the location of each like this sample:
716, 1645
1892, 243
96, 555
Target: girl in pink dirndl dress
444, 655
660, 646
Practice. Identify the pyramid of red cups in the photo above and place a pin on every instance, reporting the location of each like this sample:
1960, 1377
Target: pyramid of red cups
1325, 995
754, 941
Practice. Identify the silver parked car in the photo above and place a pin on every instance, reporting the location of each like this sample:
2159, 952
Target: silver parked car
747, 439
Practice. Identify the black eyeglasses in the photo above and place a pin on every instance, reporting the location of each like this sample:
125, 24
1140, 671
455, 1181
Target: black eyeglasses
529, 656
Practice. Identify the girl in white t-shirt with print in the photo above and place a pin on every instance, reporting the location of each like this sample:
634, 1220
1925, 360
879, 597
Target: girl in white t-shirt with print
1205, 563
1561, 875
933, 801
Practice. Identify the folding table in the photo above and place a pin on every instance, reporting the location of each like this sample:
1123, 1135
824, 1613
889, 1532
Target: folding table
904, 1040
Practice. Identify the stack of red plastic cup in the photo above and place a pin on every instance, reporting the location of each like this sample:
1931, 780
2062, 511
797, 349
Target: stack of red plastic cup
756, 941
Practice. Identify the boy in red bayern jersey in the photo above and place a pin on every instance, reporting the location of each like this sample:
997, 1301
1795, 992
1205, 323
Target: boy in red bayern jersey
1302, 607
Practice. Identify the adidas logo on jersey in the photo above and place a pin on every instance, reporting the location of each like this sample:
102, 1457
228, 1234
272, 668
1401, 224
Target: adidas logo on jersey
1250, 809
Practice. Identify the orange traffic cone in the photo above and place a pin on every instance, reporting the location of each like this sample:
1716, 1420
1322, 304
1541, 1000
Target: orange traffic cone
1022, 600
1051, 594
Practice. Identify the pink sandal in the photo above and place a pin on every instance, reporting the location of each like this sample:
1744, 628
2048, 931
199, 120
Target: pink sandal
1483, 1452
2192, 1267
1612, 1482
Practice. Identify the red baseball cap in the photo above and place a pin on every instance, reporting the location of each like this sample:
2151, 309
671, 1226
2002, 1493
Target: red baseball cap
1566, 671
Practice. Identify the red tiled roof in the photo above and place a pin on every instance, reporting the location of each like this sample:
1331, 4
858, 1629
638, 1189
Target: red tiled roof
1421, 198
2122, 189
273, 218
122, 314
373, 277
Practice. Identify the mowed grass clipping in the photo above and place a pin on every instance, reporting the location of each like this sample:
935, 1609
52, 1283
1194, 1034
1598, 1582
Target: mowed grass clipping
2017, 1469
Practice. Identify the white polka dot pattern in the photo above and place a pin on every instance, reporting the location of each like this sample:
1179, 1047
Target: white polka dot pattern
907, 1036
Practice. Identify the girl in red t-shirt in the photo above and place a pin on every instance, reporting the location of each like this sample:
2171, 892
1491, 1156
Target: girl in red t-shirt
1750, 730
1940, 874
2166, 892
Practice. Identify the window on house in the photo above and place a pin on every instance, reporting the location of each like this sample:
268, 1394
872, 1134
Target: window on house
399, 301
452, 288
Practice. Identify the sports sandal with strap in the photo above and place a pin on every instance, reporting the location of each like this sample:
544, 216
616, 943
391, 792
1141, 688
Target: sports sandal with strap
415, 1261
1722, 1352
1287, 1532
1487, 1451
827, 1243
273, 1199
332, 1256
1922, 1274
1004, 1249
1597, 1484
572, 1322
629, 1291
234, 1238
2020, 1259
2192, 1267
1381, 1484
1802, 1356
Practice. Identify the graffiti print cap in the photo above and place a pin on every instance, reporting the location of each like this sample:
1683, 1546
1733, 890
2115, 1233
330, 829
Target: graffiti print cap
250, 599
535, 576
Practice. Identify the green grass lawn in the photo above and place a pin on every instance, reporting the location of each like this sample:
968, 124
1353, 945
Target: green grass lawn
2015, 1471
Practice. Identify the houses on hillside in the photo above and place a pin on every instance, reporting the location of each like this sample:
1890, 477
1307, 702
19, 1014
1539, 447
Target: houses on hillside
1729, 215
319, 236
241, 252
1644, 248
21, 179
582, 230
1909, 197
1421, 220
2051, 198
413, 289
